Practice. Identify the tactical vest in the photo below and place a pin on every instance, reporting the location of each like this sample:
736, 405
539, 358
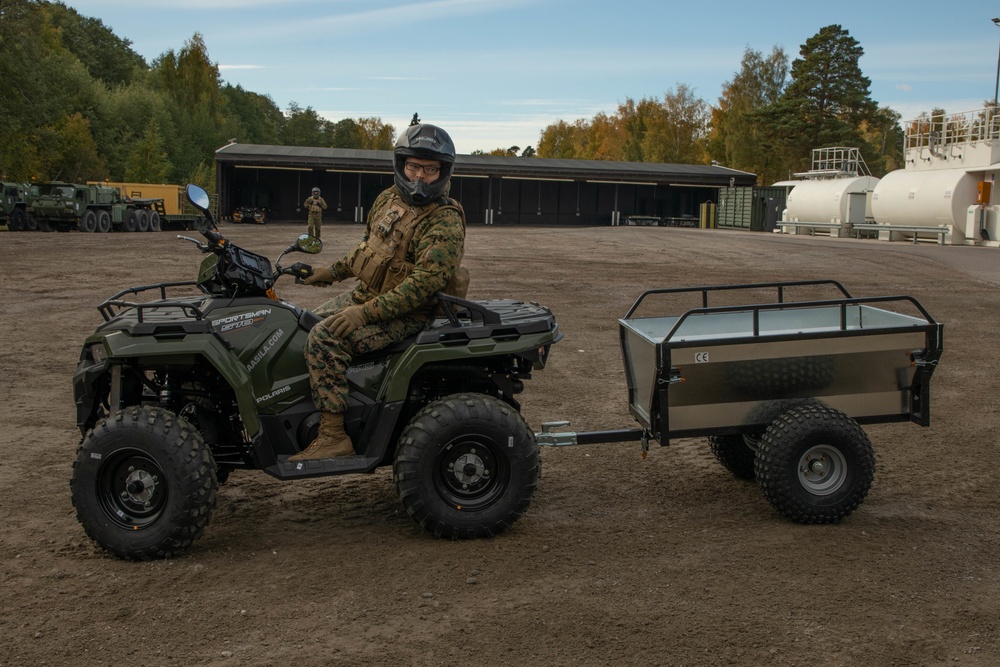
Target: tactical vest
380, 261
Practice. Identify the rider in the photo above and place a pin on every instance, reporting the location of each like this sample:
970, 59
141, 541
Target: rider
411, 249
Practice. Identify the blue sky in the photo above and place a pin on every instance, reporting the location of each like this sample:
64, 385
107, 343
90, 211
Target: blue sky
495, 73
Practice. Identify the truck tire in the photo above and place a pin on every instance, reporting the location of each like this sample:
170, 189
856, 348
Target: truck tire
735, 453
18, 220
30, 223
104, 222
466, 466
154, 221
88, 223
143, 484
131, 220
815, 464
143, 220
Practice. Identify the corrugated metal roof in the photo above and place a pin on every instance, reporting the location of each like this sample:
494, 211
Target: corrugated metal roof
489, 165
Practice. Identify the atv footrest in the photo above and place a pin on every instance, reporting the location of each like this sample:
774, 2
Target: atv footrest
286, 469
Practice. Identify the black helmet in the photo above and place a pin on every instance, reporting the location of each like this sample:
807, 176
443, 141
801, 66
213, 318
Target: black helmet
427, 142
315, 191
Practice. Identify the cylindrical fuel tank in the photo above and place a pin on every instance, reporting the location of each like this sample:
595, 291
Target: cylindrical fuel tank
825, 200
924, 198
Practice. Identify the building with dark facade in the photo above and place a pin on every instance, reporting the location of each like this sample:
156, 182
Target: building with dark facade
493, 190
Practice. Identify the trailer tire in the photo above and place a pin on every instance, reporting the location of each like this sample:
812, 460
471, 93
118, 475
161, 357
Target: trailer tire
104, 222
815, 464
154, 221
131, 220
143, 484
466, 466
736, 453
88, 223
143, 220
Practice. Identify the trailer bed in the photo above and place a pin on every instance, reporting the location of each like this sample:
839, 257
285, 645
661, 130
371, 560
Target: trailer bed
732, 369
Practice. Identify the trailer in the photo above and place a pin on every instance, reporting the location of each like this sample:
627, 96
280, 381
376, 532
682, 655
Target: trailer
779, 387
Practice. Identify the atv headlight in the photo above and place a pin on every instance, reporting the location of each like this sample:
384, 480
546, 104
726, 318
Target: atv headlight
98, 353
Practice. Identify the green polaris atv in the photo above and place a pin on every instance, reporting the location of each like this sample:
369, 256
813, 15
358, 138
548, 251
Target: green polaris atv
185, 382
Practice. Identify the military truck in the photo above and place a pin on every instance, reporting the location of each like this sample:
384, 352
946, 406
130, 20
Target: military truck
59, 206
14, 207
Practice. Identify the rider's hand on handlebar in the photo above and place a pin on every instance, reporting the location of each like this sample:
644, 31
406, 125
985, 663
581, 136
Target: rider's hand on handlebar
320, 277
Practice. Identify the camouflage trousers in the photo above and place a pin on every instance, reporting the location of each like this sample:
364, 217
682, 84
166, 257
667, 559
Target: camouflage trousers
328, 357
314, 224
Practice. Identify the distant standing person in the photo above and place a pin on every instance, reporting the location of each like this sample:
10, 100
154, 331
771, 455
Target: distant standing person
315, 205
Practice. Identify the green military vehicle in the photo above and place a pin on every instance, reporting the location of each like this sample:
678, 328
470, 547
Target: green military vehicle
58, 206
14, 207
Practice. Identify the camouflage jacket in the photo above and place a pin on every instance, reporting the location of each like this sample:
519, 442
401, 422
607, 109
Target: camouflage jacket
315, 206
435, 250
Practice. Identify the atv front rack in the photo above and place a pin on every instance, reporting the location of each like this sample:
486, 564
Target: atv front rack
115, 305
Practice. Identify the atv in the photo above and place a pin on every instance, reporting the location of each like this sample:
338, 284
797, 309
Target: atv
185, 382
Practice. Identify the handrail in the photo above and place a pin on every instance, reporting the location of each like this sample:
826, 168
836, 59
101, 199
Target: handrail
705, 289
842, 304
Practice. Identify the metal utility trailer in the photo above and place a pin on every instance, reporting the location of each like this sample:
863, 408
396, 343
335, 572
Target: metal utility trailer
780, 388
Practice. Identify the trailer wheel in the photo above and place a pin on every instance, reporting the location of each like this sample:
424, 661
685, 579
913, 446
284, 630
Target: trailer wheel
104, 222
154, 221
466, 466
735, 452
88, 223
815, 464
143, 220
143, 484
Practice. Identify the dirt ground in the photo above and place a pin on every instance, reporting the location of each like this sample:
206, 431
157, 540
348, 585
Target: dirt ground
619, 560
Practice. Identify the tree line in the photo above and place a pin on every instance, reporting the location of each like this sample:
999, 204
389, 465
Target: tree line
770, 116
81, 104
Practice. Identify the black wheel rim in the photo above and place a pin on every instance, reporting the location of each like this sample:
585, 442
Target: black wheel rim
132, 489
472, 473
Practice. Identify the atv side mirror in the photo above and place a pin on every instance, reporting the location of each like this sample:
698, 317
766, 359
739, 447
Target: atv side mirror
197, 196
308, 244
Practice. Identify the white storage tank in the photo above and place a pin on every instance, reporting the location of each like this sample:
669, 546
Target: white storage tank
924, 198
828, 200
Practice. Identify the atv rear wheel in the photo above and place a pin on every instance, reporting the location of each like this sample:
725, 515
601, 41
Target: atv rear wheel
144, 484
466, 466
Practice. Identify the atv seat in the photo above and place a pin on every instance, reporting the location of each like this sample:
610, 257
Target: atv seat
309, 319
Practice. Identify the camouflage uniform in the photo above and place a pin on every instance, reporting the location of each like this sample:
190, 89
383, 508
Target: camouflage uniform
315, 206
435, 249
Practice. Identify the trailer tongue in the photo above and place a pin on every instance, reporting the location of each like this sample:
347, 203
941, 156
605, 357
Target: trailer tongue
780, 388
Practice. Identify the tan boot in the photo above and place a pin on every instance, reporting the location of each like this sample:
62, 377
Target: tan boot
331, 442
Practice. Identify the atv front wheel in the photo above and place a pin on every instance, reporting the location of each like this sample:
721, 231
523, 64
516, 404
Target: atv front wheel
144, 484
466, 466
